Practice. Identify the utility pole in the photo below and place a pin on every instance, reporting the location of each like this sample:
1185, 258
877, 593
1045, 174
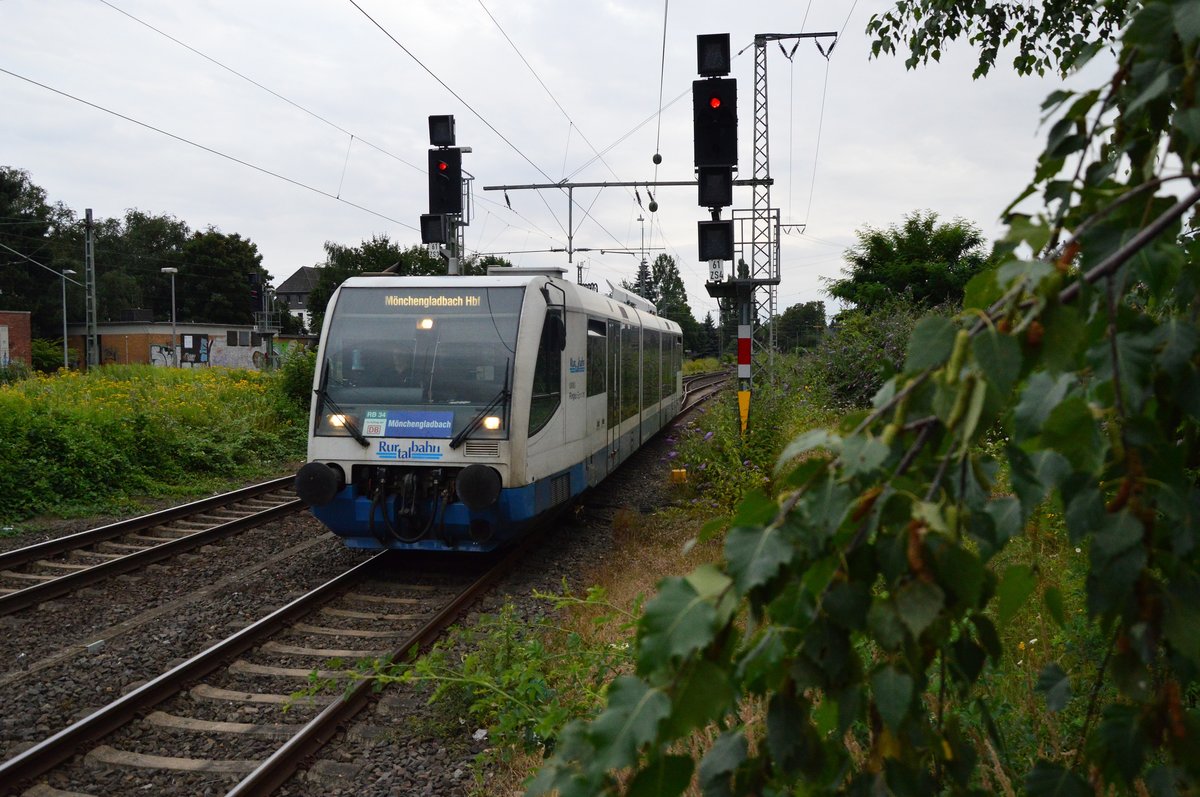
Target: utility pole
89, 267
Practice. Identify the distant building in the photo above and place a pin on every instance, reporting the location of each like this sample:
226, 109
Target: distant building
15, 336
200, 345
295, 290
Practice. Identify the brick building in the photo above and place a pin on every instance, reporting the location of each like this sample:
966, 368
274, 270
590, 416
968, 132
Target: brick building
15, 337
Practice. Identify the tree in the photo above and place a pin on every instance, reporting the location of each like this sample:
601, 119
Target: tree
215, 284
860, 608
667, 286
28, 227
931, 262
710, 342
801, 326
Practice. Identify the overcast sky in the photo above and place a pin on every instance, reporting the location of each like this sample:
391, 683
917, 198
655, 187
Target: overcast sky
335, 132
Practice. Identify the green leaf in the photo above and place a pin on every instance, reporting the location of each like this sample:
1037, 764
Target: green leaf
1055, 684
1071, 430
919, 605
1157, 86
883, 621
982, 290
1006, 515
712, 584
814, 438
999, 357
1187, 22
756, 509
863, 454
893, 692
663, 777
787, 727
1015, 587
631, 720
930, 343
1052, 780
755, 554
1181, 617
1039, 398
720, 762
988, 637
1031, 271
961, 572
762, 667
676, 622
1053, 600
1033, 477
1063, 337
847, 603
702, 695
1118, 744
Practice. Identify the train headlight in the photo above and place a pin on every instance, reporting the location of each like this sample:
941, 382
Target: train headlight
425, 324
338, 421
491, 423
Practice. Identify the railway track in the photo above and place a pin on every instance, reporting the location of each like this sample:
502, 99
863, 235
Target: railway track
221, 710
698, 388
37, 573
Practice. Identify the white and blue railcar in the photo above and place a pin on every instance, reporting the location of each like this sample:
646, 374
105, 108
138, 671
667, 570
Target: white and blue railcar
454, 412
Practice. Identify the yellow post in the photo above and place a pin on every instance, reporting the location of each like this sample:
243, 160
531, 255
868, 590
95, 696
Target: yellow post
744, 407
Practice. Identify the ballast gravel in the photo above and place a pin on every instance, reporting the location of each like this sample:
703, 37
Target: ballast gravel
66, 658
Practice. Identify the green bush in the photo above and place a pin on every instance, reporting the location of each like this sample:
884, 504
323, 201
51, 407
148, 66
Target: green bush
295, 377
722, 463
77, 442
15, 371
47, 355
861, 352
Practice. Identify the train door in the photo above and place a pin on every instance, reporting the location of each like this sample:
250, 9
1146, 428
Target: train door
596, 424
614, 392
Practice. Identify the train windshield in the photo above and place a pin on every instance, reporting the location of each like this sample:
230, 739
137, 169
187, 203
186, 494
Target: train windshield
420, 362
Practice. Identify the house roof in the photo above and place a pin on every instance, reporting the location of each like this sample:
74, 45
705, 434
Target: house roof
303, 280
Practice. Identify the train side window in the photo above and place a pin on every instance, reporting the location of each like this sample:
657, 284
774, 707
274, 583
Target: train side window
650, 367
547, 381
597, 360
614, 373
631, 352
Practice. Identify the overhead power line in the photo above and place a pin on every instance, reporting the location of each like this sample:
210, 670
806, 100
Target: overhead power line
254, 82
210, 150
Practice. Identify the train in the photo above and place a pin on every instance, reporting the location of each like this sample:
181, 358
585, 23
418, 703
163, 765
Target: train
454, 413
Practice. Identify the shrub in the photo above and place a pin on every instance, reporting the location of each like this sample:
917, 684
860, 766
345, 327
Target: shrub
860, 353
47, 355
295, 377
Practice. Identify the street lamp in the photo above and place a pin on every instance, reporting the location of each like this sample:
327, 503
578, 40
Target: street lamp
66, 272
174, 339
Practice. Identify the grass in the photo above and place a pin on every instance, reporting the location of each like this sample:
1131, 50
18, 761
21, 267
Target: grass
98, 442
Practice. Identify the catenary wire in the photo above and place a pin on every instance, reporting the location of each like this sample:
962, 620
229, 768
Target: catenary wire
465, 104
210, 150
252, 81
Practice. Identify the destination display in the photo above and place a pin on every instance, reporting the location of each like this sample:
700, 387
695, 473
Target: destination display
427, 302
407, 423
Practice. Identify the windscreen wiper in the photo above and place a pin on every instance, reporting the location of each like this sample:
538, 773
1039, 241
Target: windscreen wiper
324, 398
502, 396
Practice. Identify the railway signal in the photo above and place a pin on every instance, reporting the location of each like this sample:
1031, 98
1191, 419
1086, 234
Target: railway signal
445, 180
714, 121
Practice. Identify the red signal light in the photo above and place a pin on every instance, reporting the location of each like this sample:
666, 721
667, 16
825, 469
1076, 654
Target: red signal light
715, 102
442, 166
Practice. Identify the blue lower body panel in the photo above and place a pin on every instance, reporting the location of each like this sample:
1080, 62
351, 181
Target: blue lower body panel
361, 523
